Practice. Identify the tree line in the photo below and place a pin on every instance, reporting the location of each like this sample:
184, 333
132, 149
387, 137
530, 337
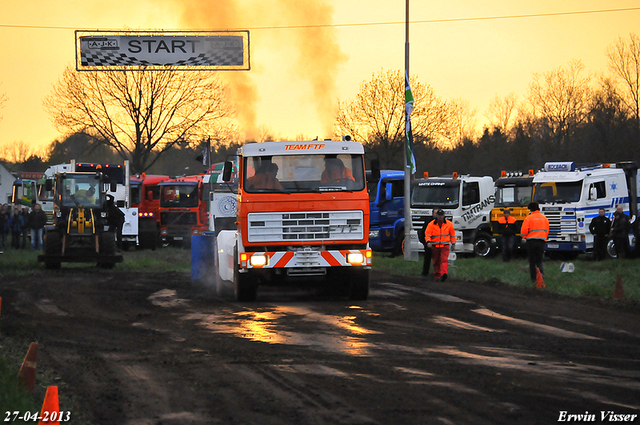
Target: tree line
161, 120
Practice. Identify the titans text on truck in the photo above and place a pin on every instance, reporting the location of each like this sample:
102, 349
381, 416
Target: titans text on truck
302, 216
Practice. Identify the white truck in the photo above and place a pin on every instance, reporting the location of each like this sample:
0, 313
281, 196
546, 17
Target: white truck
296, 221
466, 201
570, 196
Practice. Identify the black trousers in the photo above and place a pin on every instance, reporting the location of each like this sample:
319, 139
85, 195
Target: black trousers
427, 261
535, 250
599, 247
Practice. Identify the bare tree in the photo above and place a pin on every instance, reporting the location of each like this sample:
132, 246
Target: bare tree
461, 122
16, 152
376, 116
624, 61
501, 112
562, 97
140, 114
3, 99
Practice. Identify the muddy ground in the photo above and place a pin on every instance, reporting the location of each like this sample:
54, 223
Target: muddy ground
153, 349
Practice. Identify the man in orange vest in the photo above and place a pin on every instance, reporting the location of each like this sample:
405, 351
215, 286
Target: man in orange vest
535, 230
438, 235
507, 228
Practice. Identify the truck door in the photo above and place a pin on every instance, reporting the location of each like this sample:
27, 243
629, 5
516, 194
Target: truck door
391, 201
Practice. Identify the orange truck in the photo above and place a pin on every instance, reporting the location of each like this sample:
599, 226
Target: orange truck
183, 209
302, 217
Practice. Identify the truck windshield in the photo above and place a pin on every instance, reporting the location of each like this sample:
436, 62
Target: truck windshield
557, 192
513, 196
303, 173
81, 190
435, 196
179, 195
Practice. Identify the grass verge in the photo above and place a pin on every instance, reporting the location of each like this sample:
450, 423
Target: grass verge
593, 279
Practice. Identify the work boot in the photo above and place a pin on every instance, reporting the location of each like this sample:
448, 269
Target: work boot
444, 277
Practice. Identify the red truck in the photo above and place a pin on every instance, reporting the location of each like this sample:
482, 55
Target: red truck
145, 194
183, 209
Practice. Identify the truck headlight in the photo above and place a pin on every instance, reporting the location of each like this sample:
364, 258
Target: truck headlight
354, 258
258, 260
576, 238
374, 234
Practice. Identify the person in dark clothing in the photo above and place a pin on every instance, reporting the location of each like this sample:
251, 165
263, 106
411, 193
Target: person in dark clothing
620, 227
115, 219
4, 226
25, 227
427, 251
15, 226
37, 221
600, 227
508, 230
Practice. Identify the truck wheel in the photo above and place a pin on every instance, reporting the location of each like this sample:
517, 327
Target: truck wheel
483, 247
358, 284
53, 247
611, 249
244, 285
107, 248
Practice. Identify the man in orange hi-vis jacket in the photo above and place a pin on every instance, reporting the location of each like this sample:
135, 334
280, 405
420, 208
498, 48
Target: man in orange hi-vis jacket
535, 230
438, 235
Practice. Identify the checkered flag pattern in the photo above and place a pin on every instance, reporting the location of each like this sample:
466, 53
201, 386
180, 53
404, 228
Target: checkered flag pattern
116, 59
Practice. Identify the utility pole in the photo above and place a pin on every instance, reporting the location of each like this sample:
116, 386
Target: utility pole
407, 166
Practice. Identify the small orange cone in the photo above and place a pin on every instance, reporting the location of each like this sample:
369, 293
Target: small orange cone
50, 413
618, 293
539, 280
27, 374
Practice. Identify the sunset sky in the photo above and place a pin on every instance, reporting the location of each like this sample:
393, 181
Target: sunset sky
465, 49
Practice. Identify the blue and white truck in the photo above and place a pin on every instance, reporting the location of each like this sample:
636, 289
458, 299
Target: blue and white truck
386, 206
570, 196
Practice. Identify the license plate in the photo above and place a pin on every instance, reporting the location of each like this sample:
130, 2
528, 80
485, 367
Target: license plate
553, 245
178, 238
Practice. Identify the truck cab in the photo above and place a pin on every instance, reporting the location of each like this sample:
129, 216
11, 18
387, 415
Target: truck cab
514, 191
386, 206
467, 202
145, 195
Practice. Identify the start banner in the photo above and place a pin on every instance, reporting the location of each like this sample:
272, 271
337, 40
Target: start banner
184, 50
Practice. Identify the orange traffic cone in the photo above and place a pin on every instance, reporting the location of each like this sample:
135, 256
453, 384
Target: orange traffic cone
539, 280
27, 374
50, 413
618, 293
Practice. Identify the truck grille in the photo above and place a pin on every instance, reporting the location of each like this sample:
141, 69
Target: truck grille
178, 218
560, 224
305, 226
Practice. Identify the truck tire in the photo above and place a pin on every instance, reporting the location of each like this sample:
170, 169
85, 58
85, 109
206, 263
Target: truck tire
359, 284
107, 243
245, 288
398, 248
52, 247
483, 247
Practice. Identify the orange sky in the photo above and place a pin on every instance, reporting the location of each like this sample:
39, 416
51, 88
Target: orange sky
298, 75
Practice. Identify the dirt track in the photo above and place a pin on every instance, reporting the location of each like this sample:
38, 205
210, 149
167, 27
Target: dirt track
152, 349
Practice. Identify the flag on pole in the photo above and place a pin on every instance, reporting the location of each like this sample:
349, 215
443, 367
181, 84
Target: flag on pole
408, 108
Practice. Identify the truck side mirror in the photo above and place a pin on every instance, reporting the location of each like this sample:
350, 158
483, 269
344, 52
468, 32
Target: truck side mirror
226, 172
593, 193
375, 170
389, 192
48, 185
150, 195
113, 185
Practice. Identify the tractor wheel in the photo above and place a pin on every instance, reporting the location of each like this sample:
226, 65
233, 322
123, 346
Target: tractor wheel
52, 247
107, 248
